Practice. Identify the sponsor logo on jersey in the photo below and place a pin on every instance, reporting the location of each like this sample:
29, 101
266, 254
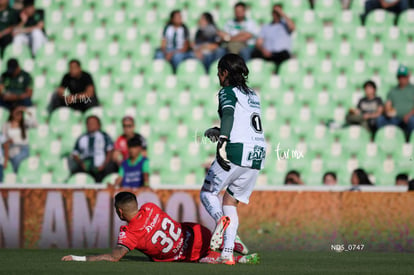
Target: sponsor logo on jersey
152, 224
257, 154
253, 103
121, 236
185, 246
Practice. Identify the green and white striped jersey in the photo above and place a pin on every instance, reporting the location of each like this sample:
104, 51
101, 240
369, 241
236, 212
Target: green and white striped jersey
247, 145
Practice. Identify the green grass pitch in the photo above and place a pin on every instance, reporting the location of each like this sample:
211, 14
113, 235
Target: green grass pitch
25, 261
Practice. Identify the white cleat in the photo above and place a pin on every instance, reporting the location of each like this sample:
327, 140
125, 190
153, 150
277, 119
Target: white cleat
218, 233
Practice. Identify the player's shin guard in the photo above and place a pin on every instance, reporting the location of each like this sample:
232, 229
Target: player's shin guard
212, 204
231, 232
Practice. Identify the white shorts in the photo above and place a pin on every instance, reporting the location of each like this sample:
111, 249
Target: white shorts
239, 181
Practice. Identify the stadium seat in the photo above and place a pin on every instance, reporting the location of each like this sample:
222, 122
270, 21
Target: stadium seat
157, 70
347, 21
189, 70
39, 137
30, 170
259, 71
110, 179
387, 171
81, 179
319, 139
358, 6
354, 138
327, 9
377, 21
60, 171
406, 22
390, 139
63, 118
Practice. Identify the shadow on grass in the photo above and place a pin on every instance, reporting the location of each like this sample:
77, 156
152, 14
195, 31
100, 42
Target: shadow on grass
136, 258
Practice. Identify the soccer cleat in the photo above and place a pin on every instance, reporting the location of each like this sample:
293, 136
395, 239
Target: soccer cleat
240, 247
249, 259
227, 261
217, 237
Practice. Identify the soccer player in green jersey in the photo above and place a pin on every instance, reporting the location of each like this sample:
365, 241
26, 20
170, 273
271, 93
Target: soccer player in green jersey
240, 153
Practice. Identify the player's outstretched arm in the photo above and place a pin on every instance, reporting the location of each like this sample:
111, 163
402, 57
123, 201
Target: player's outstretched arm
116, 254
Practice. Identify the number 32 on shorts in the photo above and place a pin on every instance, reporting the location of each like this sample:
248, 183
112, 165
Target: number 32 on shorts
163, 239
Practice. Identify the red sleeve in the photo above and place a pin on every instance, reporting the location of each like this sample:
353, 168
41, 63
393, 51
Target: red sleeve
117, 144
126, 238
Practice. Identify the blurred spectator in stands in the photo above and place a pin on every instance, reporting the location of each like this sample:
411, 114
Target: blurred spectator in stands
274, 42
134, 171
121, 144
15, 131
401, 179
293, 178
369, 108
399, 107
93, 152
207, 41
17, 4
8, 19
411, 185
329, 178
16, 86
31, 29
344, 3
394, 6
175, 43
77, 90
4, 155
360, 177
240, 33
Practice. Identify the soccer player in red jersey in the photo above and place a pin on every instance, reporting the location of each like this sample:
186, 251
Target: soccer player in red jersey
153, 232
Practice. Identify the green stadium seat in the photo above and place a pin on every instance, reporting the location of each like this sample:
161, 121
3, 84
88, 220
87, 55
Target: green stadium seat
387, 171
157, 71
319, 138
347, 21
322, 106
110, 179
30, 170
313, 176
4, 115
62, 118
259, 71
358, 6
327, 9
189, 71
377, 21
309, 22
354, 138
20, 52
39, 137
296, 8
371, 158
406, 22
81, 179
389, 139
61, 171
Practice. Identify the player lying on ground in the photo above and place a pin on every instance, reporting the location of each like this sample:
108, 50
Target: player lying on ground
154, 233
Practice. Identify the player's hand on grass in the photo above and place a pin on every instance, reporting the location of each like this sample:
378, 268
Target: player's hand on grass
212, 133
69, 258
221, 154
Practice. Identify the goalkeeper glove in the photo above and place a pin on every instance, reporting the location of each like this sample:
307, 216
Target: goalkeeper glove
221, 154
212, 133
